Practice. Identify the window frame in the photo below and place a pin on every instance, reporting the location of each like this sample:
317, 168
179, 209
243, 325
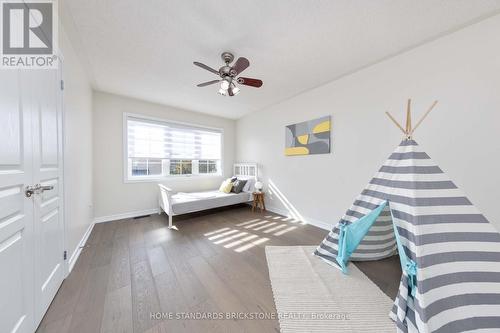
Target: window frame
128, 178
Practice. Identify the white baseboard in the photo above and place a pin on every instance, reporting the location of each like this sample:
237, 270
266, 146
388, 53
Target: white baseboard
305, 219
308, 220
76, 253
128, 215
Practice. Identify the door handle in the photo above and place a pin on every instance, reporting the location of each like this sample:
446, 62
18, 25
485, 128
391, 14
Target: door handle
44, 188
36, 189
40, 189
29, 191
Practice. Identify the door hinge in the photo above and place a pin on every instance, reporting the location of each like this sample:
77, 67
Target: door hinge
62, 84
65, 255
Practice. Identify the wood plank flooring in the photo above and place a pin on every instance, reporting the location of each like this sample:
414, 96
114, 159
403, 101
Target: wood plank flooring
215, 262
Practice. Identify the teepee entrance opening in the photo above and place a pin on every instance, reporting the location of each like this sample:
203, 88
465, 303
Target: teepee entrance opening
350, 236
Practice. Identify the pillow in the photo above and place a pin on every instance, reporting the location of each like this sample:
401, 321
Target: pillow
249, 185
226, 186
238, 185
233, 179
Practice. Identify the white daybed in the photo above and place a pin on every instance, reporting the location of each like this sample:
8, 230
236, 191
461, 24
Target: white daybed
182, 203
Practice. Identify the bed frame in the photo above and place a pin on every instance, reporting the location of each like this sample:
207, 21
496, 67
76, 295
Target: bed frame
240, 170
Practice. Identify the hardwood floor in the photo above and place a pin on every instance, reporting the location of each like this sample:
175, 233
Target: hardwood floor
134, 271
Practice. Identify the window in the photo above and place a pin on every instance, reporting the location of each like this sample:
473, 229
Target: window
146, 167
207, 166
181, 167
157, 149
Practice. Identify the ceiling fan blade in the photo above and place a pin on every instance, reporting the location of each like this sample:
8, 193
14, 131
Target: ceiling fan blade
240, 65
207, 83
250, 82
210, 69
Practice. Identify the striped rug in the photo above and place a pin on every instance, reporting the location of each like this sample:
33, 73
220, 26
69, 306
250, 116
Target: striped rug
313, 296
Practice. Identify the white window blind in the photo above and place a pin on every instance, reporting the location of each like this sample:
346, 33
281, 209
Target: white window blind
171, 141
157, 149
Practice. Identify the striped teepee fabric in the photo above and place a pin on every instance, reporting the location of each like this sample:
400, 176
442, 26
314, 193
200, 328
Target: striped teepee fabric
456, 249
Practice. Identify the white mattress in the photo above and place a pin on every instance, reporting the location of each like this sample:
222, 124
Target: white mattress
183, 203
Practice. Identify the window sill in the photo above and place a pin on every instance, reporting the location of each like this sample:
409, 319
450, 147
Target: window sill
169, 178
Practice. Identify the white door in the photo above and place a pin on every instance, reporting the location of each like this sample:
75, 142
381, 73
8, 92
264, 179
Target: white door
31, 227
47, 172
16, 210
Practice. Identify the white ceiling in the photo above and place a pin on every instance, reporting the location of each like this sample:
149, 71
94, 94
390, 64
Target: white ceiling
145, 49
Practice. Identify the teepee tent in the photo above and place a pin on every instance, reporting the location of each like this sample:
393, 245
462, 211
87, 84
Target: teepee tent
449, 252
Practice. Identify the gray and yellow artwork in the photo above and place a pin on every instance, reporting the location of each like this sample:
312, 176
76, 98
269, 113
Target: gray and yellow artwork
309, 137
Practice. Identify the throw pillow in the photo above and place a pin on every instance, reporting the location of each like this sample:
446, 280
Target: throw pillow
226, 186
249, 185
238, 185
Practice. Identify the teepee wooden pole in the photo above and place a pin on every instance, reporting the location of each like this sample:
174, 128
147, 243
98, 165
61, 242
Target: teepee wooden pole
408, 118
423, 117
395, 122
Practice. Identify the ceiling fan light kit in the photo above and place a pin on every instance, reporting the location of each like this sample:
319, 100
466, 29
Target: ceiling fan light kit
228, 75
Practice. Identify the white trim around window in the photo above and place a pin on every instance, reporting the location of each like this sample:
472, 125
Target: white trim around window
165, 163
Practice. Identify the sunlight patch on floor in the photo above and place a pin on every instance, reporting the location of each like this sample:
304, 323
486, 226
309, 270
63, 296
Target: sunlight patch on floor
251, 244
215, 231
240, 241
248, 222
281, 232
223, 234
243, 238
255, 224
264, 226
274, 228
223, 240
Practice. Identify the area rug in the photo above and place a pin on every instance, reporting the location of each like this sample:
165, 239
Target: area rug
313, 296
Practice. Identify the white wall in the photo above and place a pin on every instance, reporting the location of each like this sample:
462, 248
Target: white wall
77, 97
113, 197
461, 70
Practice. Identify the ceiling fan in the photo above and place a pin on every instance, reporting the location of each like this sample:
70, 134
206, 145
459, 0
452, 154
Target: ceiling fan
228, 75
